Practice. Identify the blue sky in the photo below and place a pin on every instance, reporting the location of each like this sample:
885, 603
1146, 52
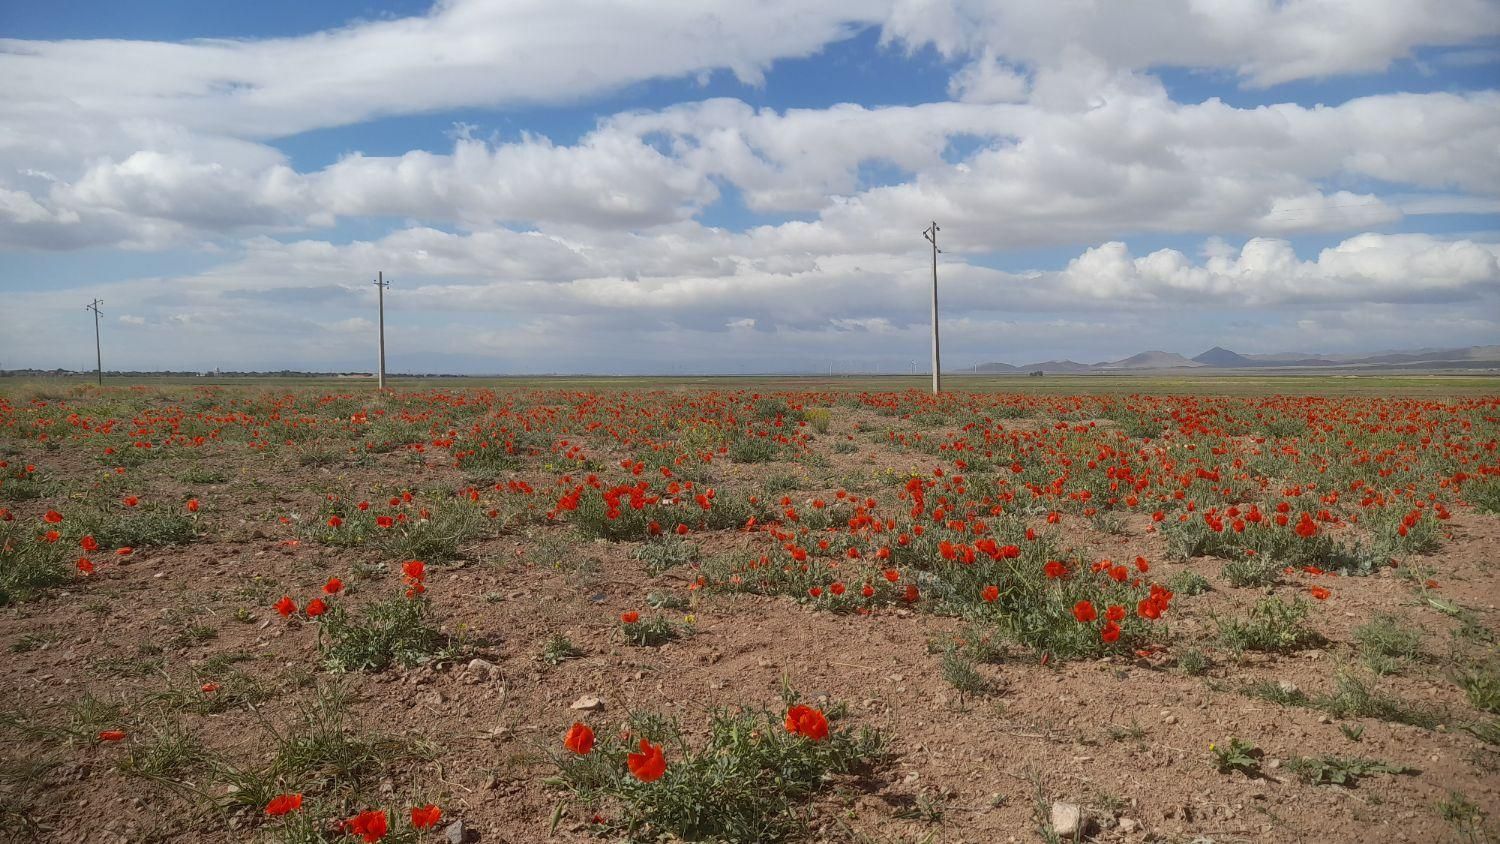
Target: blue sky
560, 186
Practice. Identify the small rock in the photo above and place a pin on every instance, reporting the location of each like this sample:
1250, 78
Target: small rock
588, 703
481, 669
457, 833
1286, 687
1068, 820
1129, 825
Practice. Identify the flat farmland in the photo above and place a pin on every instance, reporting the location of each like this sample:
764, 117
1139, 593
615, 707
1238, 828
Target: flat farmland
1119, 608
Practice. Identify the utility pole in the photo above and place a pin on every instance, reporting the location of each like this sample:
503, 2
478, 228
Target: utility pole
937, 367
98, 352
380, 285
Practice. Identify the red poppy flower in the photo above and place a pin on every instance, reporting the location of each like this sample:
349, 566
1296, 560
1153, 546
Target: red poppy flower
649, 765
384, 521
333, 586
316, 607
1306, 527
283, 804
1084, 612
371, 825
335, 521
990, 594
1055, 569
1110, 632
425, 817
111, 735
85, 565
52, 517
1115, 613
580, 739
868, 591
208, 688
1319, 592
807, 721
89, 543
414, 569
891, 575
130, 501
286, 606
630, 617
192, 505
836, 587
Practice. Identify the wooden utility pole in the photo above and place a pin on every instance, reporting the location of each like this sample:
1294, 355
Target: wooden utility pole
937, 366
380, 285
98, 352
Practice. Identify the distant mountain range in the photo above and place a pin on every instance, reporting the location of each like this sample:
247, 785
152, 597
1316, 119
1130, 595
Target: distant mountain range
1468, 357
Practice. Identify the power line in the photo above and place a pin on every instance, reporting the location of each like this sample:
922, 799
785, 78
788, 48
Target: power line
1313, 209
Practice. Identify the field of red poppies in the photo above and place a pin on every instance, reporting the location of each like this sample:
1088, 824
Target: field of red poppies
285, 614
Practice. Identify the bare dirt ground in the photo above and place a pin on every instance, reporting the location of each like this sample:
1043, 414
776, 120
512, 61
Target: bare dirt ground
1124, 735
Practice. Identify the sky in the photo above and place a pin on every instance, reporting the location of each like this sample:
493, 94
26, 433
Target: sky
715, 186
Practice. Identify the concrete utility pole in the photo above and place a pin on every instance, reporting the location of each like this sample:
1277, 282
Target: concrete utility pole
937, 367
380, 285
98, 352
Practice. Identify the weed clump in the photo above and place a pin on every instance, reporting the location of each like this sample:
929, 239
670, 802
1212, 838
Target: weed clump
394, 631
28, 565
1272, 625
749, 780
